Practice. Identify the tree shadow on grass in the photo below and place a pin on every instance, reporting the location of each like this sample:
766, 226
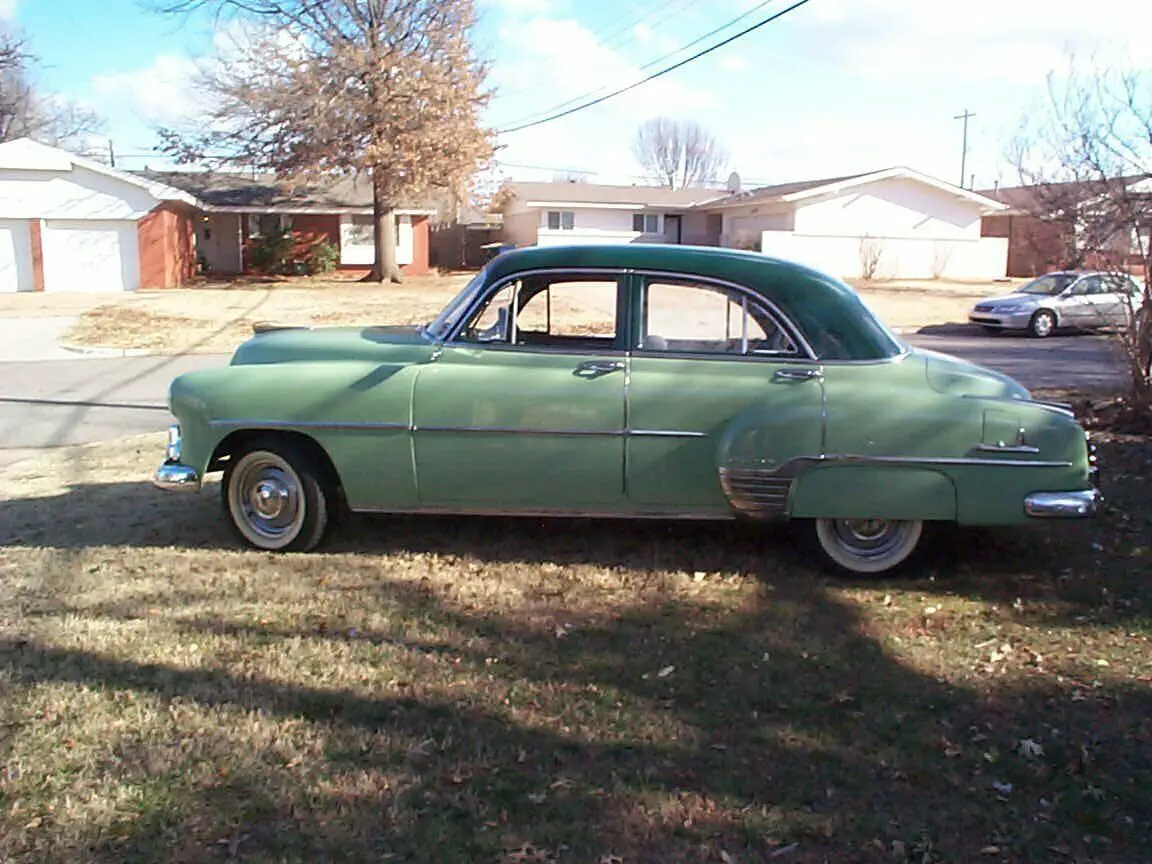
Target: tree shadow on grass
662, 733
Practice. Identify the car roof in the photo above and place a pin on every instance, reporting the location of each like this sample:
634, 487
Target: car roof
824, 308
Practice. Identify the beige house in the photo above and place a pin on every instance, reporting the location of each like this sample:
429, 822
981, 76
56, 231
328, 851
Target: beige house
895, 223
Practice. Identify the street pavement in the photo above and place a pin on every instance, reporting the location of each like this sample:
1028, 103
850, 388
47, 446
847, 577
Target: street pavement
52, 402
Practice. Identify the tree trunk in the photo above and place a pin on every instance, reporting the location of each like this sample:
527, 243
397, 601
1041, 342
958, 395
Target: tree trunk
384, 232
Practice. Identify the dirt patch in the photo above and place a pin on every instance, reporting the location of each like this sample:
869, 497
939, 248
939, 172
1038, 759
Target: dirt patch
466, 690
217, 319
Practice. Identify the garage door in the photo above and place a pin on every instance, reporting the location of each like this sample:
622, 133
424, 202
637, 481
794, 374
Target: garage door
90, 256
15, 256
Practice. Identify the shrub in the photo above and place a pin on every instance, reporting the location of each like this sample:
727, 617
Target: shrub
271, 252
323, 256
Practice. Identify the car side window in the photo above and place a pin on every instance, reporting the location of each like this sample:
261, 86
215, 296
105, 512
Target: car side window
698, 318
1089, 285
559, 311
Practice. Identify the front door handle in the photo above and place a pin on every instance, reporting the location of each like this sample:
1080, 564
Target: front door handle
592, 368
788, 375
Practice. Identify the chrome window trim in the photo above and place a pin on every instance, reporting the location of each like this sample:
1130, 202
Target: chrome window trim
453, 341
783, 321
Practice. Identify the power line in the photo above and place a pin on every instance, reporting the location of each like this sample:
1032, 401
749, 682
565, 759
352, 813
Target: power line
662, 72
650, 63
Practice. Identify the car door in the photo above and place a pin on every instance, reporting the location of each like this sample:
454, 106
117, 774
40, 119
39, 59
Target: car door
709, 357
523, 409
1114, 302
1076, 305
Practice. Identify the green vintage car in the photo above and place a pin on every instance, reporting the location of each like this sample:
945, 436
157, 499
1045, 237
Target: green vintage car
635, 381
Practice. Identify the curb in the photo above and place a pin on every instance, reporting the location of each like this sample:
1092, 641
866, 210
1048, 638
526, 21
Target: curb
101, 351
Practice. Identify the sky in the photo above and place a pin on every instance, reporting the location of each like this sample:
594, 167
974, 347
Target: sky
836, 87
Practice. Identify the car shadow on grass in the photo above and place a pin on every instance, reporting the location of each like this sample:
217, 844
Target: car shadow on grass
665, 732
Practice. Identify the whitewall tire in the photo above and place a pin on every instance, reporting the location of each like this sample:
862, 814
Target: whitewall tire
275, 498
868, 546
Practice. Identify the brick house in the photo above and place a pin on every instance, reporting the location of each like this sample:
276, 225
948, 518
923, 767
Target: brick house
236, 208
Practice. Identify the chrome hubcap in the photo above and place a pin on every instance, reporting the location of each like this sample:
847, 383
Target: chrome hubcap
266, 495
868, 538
1043, 325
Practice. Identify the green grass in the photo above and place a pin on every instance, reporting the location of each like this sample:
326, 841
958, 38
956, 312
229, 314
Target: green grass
453, 690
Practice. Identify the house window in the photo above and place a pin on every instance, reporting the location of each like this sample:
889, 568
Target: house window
561, 220
263, 224
646, 223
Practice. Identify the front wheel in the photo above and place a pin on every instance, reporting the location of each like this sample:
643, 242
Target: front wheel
276, 499
868, 546
1043, 324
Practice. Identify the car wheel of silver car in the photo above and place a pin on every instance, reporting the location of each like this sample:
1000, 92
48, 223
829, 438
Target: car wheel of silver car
276, 499
1043, 324
868, 546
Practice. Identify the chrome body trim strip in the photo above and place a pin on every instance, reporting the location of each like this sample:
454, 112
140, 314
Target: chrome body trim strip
709, 515
1082, 504
664, 433
332, 425
1058, 407
174, 477
793, 467
340, 426
521, 430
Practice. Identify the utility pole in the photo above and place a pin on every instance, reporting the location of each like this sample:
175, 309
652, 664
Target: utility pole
111, 154
964, 149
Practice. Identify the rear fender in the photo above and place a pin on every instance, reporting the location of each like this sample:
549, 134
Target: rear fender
873, 492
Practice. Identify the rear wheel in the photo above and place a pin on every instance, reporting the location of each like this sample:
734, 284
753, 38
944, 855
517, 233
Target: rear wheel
1043, 324
276, 498
868, 546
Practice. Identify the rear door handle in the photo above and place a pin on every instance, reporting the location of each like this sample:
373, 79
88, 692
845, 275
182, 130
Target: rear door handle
596, 368
787, 375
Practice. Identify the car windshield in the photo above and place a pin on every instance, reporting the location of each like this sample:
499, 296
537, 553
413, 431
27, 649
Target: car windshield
1052, 284
439, 329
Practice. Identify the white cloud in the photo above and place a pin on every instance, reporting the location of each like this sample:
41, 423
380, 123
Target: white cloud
520, 7
8, 9
733, 63
1018, 41
161, 94
552, 61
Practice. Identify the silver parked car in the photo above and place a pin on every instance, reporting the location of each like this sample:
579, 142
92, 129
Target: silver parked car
1077, 300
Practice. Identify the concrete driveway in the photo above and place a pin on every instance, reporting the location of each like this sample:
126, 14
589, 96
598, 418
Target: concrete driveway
35, 338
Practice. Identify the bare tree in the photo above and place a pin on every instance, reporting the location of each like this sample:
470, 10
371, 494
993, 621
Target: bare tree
1086, 161
389, 89
679, 153
24, 112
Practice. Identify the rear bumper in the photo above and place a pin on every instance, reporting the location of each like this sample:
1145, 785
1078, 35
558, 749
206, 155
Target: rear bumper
1064, 505
174, 477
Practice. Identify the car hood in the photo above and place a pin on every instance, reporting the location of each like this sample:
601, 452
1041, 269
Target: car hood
319, 344
951, 375
1010, 298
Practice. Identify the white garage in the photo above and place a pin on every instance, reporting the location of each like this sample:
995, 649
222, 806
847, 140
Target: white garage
90, 256
69, 224
15, 256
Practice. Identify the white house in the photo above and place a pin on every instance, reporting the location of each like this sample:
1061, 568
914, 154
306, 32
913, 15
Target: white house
71, 224
896, 223
548, 214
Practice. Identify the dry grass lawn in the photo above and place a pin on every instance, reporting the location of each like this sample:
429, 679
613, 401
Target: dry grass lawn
486, 690
216, 318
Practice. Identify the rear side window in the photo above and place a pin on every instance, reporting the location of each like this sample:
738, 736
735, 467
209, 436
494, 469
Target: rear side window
700, 318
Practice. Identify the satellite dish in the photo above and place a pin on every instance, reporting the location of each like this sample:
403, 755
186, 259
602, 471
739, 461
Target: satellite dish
733, 184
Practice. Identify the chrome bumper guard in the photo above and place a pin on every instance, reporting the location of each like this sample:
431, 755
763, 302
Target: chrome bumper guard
174, 477
1064, 505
